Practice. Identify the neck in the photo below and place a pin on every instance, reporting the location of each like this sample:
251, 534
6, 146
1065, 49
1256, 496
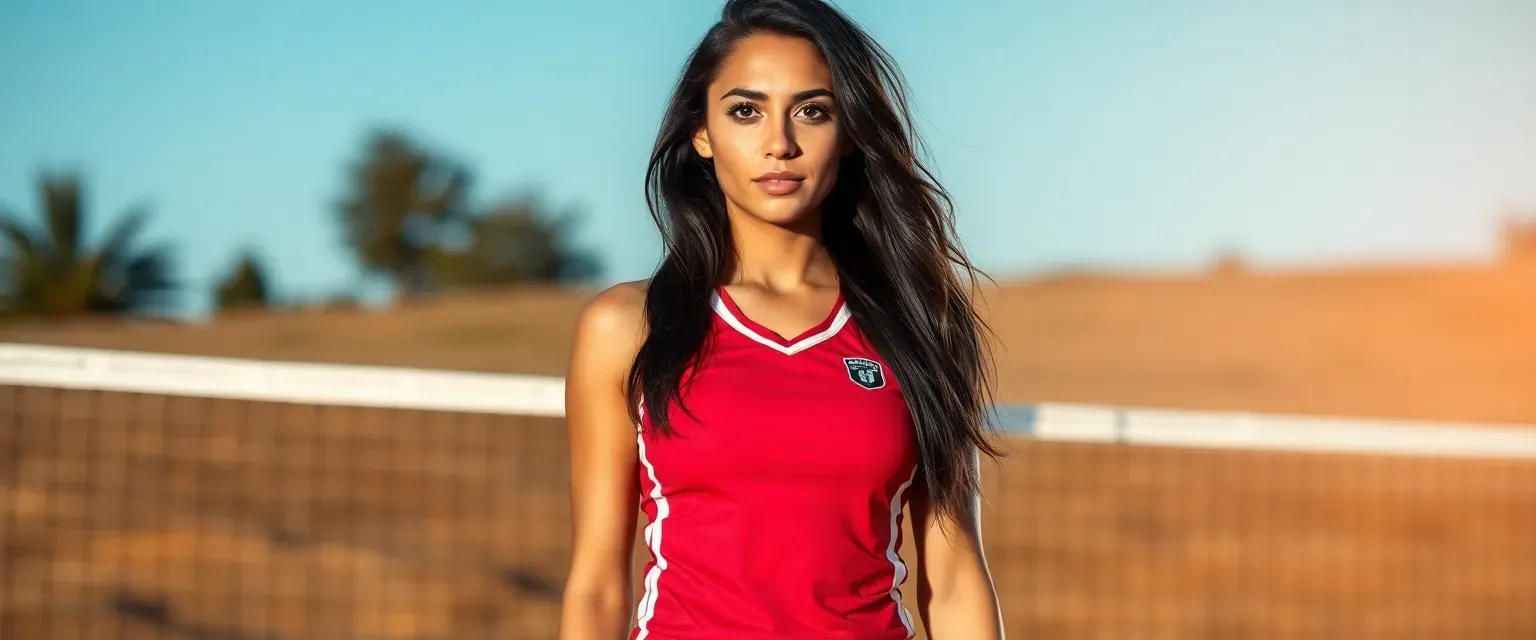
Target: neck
780, 258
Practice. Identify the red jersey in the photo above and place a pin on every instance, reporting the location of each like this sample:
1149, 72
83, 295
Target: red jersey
775, 510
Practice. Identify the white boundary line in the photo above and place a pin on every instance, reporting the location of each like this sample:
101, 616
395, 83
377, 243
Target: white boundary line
350, 385
355, 385
1223, 430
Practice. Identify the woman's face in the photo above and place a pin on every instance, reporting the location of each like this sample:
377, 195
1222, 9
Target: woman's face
772, 128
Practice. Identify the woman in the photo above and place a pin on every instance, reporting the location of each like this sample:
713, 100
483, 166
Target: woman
819, 361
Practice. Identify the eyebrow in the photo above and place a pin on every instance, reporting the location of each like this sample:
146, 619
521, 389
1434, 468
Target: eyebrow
763, 97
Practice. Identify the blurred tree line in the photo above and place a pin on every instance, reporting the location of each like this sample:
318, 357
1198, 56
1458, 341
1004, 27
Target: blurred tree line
406, 215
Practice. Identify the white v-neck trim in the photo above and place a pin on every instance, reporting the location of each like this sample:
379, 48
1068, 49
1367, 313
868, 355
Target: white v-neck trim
838, 320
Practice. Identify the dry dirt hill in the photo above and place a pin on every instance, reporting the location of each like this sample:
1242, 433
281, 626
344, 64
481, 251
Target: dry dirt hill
1453, 343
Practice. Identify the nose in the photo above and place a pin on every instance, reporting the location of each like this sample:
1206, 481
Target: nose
780, 143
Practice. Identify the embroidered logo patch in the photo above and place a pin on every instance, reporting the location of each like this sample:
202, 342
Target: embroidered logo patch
865, 373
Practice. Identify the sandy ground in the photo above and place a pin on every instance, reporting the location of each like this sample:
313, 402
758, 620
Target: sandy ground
133, 517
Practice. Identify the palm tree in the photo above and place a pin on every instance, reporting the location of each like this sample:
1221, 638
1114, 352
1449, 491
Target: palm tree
50, 272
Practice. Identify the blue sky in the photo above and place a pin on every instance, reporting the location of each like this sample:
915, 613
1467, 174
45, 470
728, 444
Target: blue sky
1112, 133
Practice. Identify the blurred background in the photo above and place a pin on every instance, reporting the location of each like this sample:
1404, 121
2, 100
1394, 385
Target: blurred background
1315, 217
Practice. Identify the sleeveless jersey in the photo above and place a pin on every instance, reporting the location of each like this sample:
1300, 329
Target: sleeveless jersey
775, 509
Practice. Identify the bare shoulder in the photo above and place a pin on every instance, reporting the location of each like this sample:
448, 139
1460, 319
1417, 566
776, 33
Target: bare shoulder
619, 309
612, 323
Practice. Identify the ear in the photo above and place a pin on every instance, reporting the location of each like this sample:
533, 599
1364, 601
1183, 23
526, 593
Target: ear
701, 143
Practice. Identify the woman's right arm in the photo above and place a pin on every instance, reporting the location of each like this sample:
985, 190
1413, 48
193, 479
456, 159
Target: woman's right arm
604, 475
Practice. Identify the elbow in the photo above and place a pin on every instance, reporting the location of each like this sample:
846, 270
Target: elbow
970, 595
594, 610
957, 582
608, 595
959, 593
963, 606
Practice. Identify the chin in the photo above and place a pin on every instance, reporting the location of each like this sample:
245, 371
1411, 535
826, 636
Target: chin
780, 211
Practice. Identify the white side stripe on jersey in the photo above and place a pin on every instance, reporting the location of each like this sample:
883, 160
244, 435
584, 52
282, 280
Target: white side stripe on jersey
890, 553
647, 607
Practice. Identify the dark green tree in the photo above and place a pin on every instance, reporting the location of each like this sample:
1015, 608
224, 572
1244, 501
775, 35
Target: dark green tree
400, 197
48, 270
244, 286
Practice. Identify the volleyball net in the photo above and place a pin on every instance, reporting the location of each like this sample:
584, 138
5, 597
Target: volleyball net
152, 496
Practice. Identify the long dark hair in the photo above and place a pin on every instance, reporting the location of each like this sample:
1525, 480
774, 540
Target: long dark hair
887, 225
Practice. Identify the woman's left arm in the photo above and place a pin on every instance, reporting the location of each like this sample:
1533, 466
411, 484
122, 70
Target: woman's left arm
955, 595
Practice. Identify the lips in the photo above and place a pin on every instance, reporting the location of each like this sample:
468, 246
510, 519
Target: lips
779, 183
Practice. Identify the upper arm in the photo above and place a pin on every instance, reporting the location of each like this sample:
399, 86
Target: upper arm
950, 557
604, 479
